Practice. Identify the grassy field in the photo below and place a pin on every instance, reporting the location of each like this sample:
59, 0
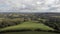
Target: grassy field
30, 33
28, 25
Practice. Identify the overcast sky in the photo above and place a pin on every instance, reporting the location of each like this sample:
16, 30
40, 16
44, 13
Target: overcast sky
30, 5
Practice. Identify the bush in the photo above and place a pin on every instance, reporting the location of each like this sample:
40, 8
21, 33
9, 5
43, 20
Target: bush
9, 22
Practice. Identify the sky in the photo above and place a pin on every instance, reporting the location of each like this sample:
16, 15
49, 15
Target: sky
29, 5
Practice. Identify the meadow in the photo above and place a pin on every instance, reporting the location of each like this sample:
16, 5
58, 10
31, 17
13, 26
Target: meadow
28, 26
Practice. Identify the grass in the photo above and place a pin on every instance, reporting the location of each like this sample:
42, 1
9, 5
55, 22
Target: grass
30, 33
28, 25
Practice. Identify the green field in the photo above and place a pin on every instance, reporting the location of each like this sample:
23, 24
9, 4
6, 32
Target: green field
28, 25
30, 33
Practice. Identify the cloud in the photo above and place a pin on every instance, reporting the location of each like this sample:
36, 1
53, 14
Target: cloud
31, 5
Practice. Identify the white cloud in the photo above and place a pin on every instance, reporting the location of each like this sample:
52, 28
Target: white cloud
38, 5
38, 2
50, 1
